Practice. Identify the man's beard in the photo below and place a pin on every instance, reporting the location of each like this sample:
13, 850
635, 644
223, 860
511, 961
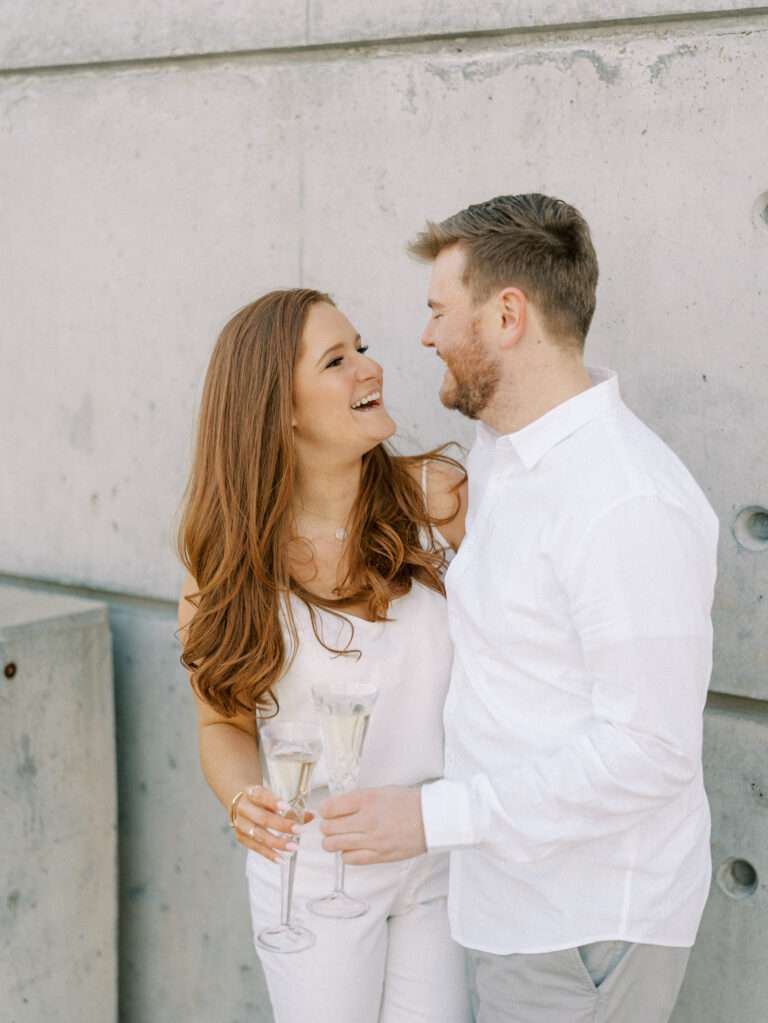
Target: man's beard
475, 377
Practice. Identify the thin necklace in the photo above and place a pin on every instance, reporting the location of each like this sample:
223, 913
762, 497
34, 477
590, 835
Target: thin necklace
340, 533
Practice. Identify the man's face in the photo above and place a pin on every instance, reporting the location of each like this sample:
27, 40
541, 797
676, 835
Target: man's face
455, 331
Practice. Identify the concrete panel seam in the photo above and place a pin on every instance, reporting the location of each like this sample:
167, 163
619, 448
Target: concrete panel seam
740, 706
343, 48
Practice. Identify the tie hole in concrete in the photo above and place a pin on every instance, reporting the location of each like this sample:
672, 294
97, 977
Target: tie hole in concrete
750, 528
760, 211
737, 878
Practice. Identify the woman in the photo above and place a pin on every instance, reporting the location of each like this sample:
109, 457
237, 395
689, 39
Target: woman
309, 547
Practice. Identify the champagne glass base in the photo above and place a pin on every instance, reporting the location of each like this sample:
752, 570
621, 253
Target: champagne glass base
338, 905
285, 939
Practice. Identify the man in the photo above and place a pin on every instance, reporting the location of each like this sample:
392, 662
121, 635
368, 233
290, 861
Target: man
579, 606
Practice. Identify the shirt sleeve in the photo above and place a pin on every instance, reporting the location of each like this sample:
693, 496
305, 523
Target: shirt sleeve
639, 585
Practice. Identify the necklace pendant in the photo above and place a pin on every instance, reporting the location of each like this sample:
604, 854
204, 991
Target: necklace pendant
341, 534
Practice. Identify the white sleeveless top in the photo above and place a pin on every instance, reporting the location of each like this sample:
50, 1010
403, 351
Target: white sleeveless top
408, 657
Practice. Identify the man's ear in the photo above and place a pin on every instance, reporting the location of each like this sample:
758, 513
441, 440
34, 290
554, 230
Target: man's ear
513, 310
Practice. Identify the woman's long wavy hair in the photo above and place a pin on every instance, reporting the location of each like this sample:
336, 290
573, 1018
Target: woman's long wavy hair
237, 523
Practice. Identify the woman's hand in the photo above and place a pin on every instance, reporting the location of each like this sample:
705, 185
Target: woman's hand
259, 813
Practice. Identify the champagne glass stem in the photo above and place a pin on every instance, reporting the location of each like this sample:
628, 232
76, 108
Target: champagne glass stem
339, 872
287, 874
288, 869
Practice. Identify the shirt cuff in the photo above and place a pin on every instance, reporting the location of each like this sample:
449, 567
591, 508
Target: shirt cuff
446, 815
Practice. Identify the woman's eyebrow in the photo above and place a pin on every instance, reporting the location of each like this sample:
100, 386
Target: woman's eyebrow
339, 344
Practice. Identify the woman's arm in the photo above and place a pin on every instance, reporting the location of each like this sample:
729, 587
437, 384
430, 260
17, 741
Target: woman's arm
230, 762
441, 500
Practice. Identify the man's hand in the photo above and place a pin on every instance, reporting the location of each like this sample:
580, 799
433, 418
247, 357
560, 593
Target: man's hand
374, 825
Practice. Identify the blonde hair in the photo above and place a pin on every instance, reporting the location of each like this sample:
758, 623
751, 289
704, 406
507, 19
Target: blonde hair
539, 244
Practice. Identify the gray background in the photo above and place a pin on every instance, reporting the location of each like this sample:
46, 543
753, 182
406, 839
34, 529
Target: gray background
162, 164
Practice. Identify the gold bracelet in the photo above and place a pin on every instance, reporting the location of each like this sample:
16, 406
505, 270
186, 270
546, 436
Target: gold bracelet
233, 807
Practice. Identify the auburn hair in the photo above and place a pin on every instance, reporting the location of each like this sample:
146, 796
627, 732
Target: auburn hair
535, 242
236, 523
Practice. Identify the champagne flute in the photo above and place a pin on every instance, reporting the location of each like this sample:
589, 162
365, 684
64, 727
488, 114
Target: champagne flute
344, 709
291, 750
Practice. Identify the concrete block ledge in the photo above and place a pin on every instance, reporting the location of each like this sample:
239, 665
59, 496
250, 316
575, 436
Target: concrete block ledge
726, 978
23, 609
58, 807
54, 34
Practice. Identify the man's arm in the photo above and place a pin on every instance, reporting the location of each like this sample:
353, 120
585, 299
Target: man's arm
640, 590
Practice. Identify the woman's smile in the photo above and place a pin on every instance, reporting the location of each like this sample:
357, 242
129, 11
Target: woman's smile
367, 402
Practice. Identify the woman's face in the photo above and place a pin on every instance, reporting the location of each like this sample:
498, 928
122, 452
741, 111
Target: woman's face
332, 377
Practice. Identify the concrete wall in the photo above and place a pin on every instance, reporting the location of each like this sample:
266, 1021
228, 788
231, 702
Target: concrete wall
58, 808
163, 164
57, 34
185, 932
725, 982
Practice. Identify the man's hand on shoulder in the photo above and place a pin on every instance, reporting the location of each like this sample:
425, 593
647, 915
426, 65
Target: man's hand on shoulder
374, 825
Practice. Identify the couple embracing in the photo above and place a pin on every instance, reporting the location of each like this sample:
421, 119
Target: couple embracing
531, 832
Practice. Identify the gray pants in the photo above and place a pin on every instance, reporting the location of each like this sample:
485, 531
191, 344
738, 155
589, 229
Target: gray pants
605, 982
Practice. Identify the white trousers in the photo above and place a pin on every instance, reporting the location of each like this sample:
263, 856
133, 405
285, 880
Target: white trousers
396, 964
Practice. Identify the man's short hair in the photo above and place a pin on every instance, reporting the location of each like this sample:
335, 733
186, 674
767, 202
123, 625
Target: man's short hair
535, 242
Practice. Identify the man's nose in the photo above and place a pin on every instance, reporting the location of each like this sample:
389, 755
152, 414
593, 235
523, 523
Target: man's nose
426, 340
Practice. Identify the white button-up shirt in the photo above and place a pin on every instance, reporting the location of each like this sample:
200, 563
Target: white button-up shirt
579, 606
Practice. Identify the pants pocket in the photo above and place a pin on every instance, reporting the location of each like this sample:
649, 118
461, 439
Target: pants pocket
600, 958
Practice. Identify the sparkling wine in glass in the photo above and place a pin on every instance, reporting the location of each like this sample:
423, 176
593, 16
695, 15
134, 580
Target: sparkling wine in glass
291, 750
344, 709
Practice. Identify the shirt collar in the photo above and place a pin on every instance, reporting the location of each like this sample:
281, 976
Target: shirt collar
539, 437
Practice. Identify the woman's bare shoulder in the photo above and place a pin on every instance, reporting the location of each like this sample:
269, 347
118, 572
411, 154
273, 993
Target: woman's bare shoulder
186, 606
446, 495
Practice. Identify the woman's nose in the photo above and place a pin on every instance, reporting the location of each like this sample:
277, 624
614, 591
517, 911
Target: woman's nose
368, 368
